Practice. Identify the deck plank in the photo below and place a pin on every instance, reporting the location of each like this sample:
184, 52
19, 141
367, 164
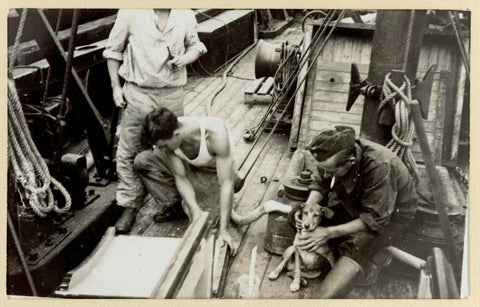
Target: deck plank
255, 234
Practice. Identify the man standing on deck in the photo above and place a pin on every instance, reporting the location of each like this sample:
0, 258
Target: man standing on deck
149, 49
373, 198
187, 151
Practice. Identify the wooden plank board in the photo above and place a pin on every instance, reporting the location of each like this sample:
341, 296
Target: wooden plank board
229, 98
87, 33
267, 87
256, 232
254, 85
301, 87
262, 94
279, 288
339, 106
197, 106
125, 272
170, 280
145, 216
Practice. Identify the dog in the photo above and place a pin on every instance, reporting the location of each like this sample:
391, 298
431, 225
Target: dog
300, 264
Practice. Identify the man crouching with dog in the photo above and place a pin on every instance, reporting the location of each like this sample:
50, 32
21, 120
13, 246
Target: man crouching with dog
373, 198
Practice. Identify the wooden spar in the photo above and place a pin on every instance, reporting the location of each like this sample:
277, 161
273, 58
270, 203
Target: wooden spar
438, 192
457, 119
299, 98
176, 271
396, 45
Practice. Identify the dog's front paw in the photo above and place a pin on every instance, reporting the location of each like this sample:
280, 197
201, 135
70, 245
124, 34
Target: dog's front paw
294, 286
273, 275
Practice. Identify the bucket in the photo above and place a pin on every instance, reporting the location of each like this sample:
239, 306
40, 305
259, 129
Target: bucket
245, 290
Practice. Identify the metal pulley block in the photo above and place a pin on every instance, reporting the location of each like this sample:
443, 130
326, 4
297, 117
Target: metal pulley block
297, 187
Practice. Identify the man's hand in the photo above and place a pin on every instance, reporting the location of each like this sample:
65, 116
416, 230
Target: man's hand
118, 97
226, 237
311, 241
176, 63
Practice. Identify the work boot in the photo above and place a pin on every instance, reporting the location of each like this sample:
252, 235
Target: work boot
372, 269
170, 213
339, 281
126, 220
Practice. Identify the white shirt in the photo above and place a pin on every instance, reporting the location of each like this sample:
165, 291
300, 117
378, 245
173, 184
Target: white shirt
136, 41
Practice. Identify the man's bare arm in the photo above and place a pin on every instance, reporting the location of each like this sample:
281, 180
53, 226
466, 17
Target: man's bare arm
220, 143
113, 66
315, 197
184, 186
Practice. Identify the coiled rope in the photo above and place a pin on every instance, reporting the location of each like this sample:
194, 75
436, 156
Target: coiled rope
30, 170
402, 130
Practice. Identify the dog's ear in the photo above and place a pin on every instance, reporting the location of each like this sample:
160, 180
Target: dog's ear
291, 215
327, 212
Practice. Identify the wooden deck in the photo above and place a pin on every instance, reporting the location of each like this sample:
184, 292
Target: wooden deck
271, 164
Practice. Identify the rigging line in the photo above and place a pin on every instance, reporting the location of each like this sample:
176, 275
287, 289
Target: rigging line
290, 84
315, 40
49, 72
292, 77
224, 77
342, 13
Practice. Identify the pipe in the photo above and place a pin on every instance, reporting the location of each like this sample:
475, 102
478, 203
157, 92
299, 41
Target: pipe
61, 124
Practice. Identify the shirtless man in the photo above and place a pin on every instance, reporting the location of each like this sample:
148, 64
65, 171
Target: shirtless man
185, 150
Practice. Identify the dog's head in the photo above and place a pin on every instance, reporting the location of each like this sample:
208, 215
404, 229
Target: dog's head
312, 215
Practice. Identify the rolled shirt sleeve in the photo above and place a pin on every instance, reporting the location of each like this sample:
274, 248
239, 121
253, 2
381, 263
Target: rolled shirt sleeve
379, 197
192, 42
320, 183
118, 37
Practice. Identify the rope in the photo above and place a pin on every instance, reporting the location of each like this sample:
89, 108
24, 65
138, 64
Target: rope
402, 130
30, 170
16, 46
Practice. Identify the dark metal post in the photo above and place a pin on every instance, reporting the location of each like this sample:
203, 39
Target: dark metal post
396, 46
56, 56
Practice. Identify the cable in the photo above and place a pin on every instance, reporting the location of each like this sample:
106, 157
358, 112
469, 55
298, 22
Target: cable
342, 13
224, 76
275, 101
304, 19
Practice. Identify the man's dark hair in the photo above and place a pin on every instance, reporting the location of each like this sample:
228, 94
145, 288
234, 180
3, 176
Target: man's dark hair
160, 124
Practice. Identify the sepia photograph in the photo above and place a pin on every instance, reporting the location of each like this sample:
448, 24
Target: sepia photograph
218, 153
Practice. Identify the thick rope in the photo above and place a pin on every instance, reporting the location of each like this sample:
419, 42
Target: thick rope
402, 130
28, 165
18, 37
30, 170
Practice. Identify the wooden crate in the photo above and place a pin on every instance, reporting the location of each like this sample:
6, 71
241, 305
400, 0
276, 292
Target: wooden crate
225, 36
260, 91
